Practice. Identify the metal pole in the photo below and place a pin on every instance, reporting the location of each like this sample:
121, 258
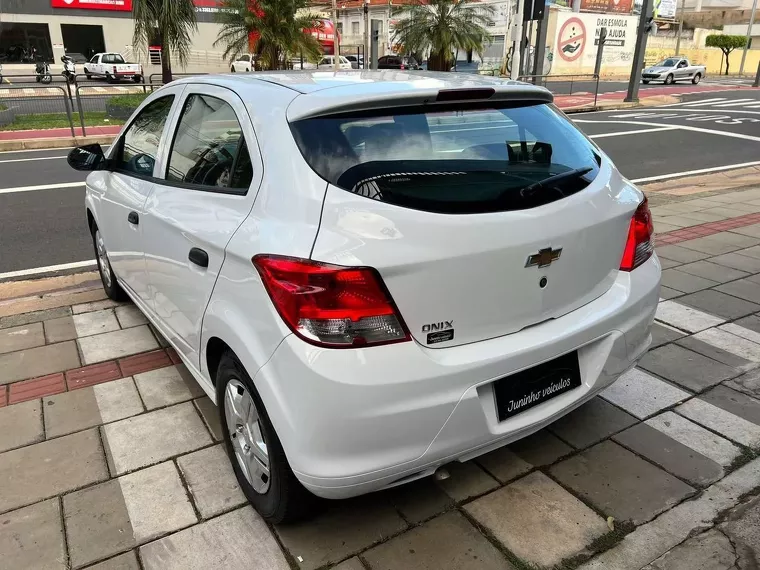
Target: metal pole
638, 54
367, 48
68, 112
336, 47
576, 5
543, 27
749, 36
757, 76
81, 111
517, 33
680, 27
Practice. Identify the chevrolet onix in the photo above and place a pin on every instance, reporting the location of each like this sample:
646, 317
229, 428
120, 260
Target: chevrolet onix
372, 273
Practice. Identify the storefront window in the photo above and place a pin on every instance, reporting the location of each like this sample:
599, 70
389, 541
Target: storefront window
24, 43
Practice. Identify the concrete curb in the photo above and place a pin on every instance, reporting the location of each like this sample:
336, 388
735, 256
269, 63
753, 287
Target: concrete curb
58, 142
655, 101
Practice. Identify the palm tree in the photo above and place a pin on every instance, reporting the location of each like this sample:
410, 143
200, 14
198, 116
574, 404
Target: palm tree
443, 26
276, 27
171, 22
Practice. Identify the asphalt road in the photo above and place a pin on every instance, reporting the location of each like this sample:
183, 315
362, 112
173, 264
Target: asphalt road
46, 227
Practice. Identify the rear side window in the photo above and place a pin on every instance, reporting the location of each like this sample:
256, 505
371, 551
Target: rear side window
458, 160
209, 148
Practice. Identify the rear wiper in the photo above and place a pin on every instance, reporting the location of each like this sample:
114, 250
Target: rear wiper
556, 179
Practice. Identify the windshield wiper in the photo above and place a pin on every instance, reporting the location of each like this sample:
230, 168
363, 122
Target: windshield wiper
556, 179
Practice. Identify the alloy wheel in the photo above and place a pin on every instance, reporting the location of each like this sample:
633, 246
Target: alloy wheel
245, 433
103, 264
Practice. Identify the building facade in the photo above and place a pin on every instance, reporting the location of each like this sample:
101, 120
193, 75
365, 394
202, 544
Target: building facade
51, 28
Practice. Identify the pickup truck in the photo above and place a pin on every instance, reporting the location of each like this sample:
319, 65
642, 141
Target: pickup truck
113, 67
674, 69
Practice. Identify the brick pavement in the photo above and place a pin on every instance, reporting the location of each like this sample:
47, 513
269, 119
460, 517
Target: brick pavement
110, 453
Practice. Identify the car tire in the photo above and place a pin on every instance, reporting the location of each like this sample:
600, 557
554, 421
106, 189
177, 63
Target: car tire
277, 495
645, 81
669, 79
88, 75
137, 78
109, 78
696, 78
232, 69
110, 284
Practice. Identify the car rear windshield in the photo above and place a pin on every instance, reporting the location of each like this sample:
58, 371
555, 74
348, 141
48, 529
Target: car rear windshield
458, 160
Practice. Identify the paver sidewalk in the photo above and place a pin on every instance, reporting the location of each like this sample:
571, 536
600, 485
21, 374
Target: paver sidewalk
111, 454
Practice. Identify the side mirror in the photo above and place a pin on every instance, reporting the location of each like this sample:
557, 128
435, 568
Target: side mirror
87, 158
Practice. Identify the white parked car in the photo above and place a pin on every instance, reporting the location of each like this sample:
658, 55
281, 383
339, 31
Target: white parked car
412, 290
328, 63
243, 63
112, 67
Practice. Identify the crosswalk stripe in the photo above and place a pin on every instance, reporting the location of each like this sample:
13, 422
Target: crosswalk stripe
703, 101
642, 395
28, 91
719, 420
732, 343
99, 89
733, 103
686, 318
696, 437
121, 88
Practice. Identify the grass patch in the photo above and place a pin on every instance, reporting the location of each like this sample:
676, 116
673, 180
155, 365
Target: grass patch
599, 545
130, 100
58, 120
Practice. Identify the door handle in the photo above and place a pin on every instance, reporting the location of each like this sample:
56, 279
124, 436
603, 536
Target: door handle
133, 218
198, 256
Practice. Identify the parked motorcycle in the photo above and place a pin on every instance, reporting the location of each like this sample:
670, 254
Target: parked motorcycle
42, 70
69, 69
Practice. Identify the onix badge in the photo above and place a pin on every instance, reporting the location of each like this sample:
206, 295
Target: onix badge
544, 257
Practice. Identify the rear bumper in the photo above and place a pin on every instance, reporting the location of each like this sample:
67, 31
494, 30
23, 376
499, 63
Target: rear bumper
355, 421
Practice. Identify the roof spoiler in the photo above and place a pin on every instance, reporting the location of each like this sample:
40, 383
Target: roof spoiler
338, 100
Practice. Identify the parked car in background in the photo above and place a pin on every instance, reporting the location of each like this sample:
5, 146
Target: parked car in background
112, 67
327, 62
397, 62
369, 314
244, 63
357, 62
674, 69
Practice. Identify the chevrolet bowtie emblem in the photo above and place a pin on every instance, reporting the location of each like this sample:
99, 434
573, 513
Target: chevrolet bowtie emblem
544, 257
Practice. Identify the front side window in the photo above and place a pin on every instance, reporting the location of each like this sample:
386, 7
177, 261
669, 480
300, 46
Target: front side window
138, 148
94, 59
209, 148
457, 159
244, 58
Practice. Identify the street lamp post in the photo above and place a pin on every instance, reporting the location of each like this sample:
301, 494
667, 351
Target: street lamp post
680, 27
336, 46
638, 55
749, 36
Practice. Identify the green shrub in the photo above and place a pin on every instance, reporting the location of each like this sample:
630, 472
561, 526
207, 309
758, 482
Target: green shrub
132, 100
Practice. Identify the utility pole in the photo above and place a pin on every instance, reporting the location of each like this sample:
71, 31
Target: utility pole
749, 36
336, 46
680, 27
638, 54
576, 5
366, 35
517, 37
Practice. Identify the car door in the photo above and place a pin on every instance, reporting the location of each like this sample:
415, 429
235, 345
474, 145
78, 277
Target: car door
682, 69
211, 170
132, 161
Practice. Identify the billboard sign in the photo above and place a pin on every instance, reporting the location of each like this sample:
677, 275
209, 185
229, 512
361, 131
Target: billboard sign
664, 9
611, 6
114, 5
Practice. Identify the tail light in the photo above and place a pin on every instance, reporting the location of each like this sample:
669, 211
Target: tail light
402, 67
640, 244
330, 305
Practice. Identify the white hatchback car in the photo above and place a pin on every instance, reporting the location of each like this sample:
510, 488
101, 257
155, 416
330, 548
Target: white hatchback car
373, 274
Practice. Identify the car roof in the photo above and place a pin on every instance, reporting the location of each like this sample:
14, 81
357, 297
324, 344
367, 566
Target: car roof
324, 92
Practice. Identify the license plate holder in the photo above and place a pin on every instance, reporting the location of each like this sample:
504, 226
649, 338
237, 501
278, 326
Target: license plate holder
519, 392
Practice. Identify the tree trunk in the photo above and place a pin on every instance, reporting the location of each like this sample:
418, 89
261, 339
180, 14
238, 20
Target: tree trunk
439, 61
727, 54
166, 64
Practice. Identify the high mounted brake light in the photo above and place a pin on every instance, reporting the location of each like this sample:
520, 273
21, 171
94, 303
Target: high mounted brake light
329, 305
640, 244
